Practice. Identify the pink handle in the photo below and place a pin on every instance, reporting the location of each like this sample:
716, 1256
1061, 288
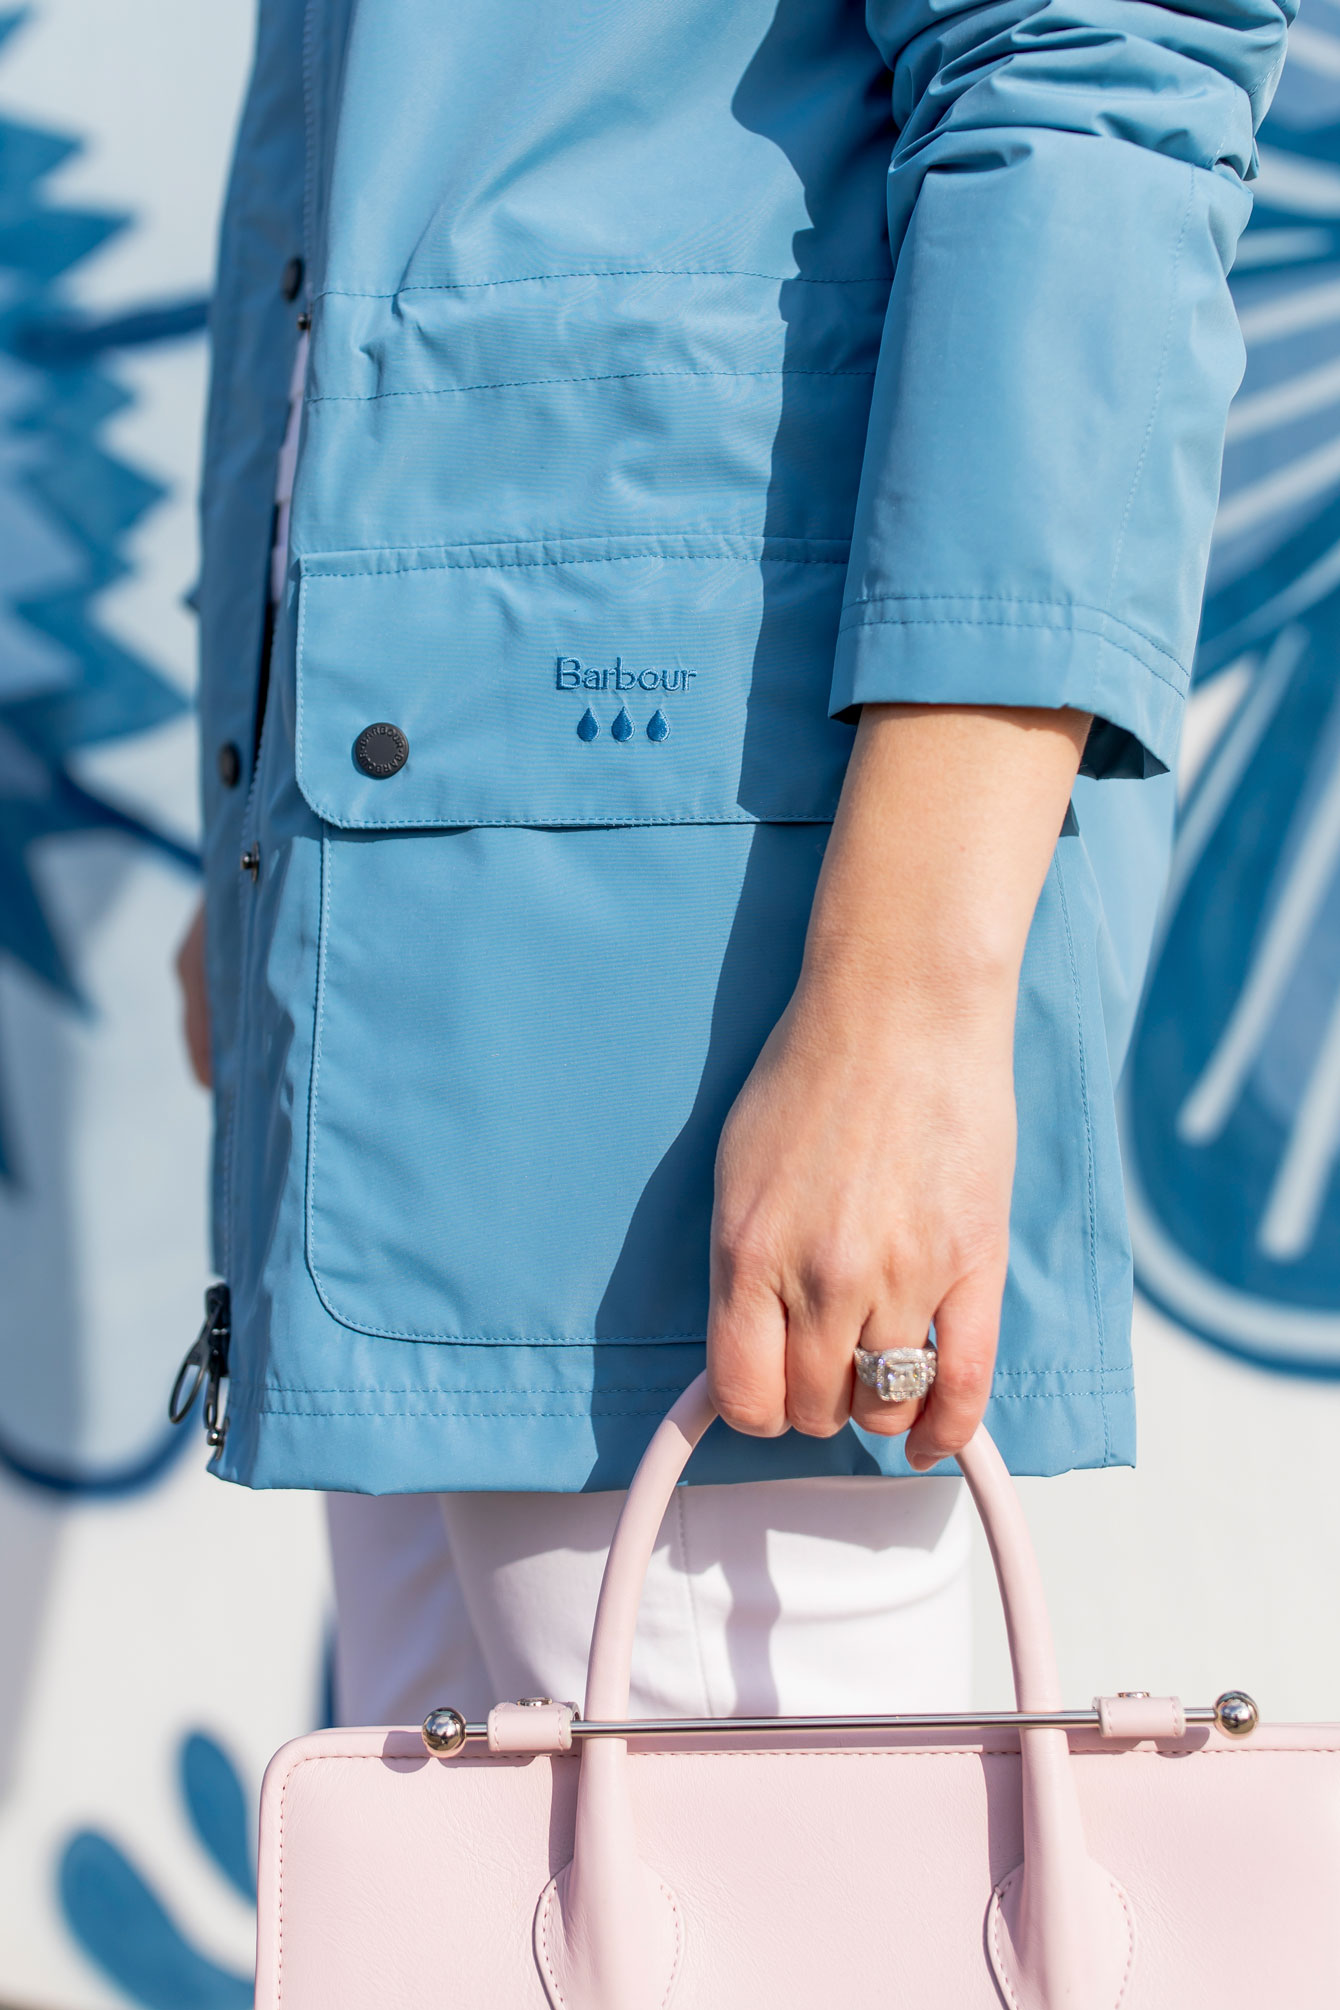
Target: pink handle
608, 1933
1036, 1684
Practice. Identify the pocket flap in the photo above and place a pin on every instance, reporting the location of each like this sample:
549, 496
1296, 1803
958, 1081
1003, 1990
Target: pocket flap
571, 684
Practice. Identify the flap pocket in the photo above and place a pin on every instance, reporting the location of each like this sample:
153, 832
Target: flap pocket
588, 682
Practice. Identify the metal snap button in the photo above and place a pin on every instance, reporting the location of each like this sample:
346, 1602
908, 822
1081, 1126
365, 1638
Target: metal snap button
290, 284
230, 765
381, 750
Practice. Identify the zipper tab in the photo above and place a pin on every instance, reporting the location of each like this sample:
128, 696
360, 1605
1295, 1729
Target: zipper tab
206, 1366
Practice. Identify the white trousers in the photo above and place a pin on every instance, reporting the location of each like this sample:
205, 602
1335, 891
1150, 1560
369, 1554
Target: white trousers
788, 1595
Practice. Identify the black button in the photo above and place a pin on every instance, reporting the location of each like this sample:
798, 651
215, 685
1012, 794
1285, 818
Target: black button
230, 765
291, 283
381, 750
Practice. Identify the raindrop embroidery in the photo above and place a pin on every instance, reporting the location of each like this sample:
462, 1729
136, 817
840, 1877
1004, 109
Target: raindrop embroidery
658, 726
622, 729
588, 726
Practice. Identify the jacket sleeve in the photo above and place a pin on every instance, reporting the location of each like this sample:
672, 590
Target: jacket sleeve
1042, 465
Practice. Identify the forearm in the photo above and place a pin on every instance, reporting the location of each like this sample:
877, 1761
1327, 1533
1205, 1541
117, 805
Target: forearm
945, 830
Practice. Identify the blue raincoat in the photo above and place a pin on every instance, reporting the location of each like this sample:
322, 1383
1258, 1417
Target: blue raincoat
682, 376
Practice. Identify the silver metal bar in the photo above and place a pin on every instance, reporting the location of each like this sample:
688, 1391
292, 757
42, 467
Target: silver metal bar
918, 1720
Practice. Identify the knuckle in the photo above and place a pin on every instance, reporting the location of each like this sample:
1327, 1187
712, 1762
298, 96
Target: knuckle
888, 1422
904, 1255
752, 1419
742, 1253
746, 1402
964, 1378
812, 1419
834, 1273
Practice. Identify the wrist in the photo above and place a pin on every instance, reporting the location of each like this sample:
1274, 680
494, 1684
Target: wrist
864, 992
920, 966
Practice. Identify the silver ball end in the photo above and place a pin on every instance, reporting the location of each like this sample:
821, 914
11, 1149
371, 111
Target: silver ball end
444, 1731
1236, 1714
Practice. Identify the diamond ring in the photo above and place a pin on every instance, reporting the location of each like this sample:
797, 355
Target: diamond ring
899, 1374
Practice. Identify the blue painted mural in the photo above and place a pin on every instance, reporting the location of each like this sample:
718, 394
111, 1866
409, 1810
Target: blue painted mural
1233, 1088
1232, 1095
122, 1925
67, 509
87, 924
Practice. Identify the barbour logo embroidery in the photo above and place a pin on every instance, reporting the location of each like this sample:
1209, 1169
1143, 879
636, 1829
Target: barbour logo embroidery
571, 674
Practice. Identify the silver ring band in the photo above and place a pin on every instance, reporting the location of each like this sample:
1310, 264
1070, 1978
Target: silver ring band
899, 1374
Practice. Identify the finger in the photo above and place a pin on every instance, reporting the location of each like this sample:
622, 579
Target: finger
746, 1358
967, 1327
887, 1328
820, 1376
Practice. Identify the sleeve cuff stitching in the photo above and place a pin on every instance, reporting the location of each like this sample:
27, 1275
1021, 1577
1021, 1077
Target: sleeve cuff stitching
1099, 623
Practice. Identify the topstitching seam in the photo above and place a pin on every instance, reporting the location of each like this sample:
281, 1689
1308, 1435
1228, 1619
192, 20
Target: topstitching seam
314, 571
531, 383
1099, 614
1090, 1193
605, 272
583, 1395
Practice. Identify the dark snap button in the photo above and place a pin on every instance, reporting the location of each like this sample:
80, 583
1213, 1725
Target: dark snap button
230, 765
381, 750
290, 284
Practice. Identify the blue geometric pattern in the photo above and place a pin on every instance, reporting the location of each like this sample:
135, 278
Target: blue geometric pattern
67, 509
1233, 1090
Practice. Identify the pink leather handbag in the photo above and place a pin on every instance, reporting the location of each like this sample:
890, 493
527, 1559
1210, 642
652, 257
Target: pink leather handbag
1138, 1854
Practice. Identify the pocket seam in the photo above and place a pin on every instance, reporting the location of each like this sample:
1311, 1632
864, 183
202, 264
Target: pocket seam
309, 1221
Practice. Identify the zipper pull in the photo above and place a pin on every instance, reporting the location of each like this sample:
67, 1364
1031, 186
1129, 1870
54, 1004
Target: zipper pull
206, 1365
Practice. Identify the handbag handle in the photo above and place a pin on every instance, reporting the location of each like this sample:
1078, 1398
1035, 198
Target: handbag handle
608, 1934
1032, 1654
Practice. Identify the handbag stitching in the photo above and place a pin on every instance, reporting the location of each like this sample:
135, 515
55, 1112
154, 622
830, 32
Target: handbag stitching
998, 1952
546, 1911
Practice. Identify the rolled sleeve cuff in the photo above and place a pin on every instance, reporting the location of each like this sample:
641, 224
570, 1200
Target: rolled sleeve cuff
964, 651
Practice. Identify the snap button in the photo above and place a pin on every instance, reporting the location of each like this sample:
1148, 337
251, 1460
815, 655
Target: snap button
230, 765
381, 750
290, 285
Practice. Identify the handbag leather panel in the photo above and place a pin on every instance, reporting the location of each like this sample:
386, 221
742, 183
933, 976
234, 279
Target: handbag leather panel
579, 682
809, 1875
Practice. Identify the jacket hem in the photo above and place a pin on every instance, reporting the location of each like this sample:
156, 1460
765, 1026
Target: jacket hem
1044, 1421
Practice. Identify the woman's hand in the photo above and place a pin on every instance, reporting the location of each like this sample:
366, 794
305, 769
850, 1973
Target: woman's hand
864, 1174
195, 997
